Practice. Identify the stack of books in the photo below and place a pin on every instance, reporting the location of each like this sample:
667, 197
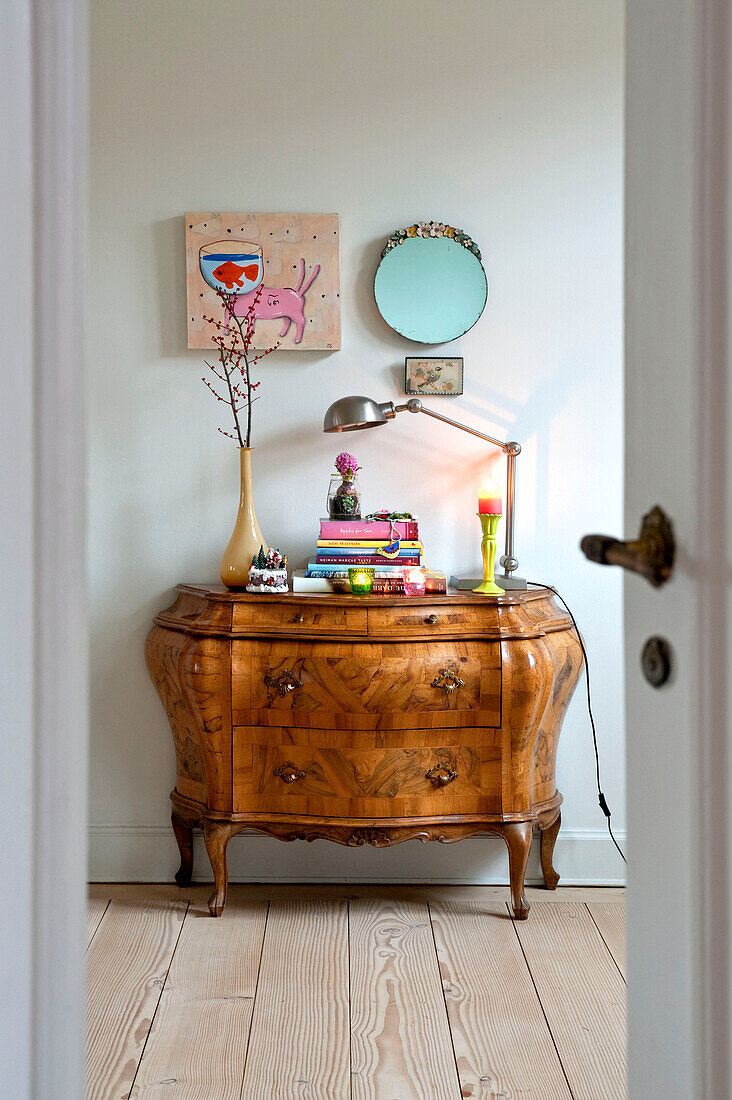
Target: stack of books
348, 543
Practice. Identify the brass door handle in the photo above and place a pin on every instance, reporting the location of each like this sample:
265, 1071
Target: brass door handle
431, 619
651, 555
440, 776
299, 618
448, 681
289, 772
282, 682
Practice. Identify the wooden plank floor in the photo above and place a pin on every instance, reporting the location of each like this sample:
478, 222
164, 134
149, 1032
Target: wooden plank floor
355, 993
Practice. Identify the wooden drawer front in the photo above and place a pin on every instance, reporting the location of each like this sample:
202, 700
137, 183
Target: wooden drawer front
360, 687
293, 618
425, 620
315, 773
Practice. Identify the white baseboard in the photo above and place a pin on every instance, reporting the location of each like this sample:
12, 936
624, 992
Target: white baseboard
148, 853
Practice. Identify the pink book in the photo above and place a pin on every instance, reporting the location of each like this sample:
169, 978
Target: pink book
368, 529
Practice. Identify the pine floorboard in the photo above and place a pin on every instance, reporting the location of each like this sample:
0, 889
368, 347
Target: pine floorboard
298, 1046
95, 910
355, 993
609, 916
196, 1049
582, 994
502, 1045
400, 1038
127, 964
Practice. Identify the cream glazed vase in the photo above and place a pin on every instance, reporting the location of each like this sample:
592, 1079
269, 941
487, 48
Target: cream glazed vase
246, 538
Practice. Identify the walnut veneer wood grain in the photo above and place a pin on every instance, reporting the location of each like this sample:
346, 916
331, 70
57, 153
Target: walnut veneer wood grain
364, 719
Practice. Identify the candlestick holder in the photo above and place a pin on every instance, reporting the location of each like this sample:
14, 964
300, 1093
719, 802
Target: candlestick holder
489, 526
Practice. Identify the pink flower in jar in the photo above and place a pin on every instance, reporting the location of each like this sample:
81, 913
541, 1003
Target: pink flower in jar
346, 465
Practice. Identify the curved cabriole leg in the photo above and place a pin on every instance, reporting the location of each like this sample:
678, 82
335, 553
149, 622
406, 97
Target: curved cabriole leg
517, 835
548, 840
217, 835
184, 836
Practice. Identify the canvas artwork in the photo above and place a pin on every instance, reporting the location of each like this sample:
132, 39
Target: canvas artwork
432, 375
287, 266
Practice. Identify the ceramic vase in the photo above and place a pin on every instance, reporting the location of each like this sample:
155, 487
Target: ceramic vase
246, 538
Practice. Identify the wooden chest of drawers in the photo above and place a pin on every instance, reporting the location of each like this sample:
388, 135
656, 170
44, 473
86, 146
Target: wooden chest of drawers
364, 720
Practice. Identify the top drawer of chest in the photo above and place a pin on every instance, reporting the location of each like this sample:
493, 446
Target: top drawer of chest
306, 618
425, 620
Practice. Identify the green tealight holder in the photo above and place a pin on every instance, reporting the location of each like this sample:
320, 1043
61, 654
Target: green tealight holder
361, 580
489, 526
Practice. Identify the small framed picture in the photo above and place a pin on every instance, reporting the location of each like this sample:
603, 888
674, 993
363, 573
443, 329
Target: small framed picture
433, 376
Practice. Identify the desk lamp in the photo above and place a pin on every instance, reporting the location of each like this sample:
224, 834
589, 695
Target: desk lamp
350, 414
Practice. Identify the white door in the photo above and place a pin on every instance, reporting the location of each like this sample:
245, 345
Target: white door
677, 415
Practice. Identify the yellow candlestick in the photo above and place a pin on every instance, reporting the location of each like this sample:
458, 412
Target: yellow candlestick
489, 525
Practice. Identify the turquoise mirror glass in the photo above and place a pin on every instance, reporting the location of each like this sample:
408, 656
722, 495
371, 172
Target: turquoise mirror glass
430, 288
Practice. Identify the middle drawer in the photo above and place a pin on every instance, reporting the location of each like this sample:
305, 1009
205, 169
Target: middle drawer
363, 686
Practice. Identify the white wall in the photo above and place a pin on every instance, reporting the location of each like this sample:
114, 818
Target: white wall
501, 118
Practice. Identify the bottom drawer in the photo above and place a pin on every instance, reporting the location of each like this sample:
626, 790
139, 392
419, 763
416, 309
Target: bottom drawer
342, 774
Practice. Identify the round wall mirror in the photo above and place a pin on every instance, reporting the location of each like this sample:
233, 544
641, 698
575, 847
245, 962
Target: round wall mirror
430, 285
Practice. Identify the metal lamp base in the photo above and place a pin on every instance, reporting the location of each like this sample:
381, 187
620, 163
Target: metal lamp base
508, 584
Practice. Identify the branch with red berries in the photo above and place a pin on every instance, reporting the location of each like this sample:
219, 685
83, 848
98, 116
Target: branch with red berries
233, 338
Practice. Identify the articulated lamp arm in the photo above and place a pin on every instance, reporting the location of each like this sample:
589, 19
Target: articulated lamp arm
511, 451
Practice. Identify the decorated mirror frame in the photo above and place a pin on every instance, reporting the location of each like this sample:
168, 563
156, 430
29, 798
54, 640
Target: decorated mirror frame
430, 285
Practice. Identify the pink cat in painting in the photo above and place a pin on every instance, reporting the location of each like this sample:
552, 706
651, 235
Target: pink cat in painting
287, 302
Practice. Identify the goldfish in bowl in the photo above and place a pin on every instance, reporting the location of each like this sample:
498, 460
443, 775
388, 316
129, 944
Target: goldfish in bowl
233, 267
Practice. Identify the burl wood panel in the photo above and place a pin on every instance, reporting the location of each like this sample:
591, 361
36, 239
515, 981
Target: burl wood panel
360, 780
189, 675
370, 686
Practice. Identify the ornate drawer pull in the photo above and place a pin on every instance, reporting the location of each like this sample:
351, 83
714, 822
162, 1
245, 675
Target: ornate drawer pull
448, 681
431, 619
289, 772
299, 618
282, 682
440, 776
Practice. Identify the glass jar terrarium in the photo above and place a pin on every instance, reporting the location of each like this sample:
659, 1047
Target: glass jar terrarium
344, 497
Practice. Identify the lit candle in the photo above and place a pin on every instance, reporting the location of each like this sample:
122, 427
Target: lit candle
414, 581
490, 502
361, 581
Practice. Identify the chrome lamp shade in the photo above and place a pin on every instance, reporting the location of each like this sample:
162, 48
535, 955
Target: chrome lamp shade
350, 414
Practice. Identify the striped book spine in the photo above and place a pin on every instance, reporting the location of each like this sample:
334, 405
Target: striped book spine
364, 544
365, 559
368, 529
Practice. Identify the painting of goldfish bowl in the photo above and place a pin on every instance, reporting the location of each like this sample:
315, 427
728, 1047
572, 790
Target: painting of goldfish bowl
233, 267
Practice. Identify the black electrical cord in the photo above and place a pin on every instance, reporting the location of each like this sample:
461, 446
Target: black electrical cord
600, 796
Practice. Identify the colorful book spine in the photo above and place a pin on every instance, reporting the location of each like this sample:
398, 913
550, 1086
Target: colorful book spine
364, 559
342, 570
368, 529
367, 551
364, 544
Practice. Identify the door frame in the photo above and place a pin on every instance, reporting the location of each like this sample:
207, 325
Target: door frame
678, 89
42, 444
43, 681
